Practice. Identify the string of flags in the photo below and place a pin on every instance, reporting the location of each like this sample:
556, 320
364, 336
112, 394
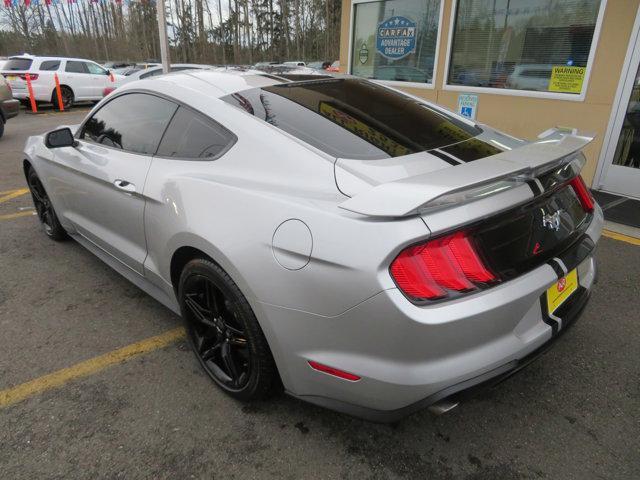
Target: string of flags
28, 3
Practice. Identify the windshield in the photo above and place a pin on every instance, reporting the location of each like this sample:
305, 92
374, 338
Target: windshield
18, 64
353, 118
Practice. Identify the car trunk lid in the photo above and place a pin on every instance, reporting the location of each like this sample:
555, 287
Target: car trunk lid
393, 188
520, 207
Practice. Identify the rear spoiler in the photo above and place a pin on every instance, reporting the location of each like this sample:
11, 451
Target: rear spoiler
472, 180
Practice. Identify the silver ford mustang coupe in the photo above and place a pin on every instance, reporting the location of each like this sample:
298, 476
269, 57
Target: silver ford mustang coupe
372, 252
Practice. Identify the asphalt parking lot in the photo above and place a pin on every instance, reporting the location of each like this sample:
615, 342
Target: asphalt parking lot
148, 411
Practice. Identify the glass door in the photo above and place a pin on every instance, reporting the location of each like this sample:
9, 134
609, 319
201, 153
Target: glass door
621, 170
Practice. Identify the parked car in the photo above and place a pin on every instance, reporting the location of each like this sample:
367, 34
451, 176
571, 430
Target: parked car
319, 65
126, 71
116, 65
261, 65
402, 73
286, 71
373, 260
530, 76
80, 79
335, 67
149, 72
9, 106
295, 64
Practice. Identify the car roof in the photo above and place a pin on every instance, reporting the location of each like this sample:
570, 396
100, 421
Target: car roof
208, 83
38, 57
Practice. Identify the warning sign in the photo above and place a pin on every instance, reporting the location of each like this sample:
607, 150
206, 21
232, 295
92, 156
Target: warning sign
566, 79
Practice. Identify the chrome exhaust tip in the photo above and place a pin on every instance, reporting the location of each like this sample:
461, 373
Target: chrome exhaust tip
443, 406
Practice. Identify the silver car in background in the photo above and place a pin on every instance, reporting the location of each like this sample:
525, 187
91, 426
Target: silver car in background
370, 251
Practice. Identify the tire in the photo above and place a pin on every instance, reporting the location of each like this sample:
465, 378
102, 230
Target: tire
1, 127
67, 97
44, 208
224, 333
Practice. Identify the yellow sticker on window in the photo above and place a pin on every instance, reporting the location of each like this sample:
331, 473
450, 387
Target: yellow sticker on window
566, 79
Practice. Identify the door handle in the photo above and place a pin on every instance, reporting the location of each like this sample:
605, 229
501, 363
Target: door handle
125, 186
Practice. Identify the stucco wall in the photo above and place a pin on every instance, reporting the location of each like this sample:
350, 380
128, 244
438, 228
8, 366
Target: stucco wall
526, 117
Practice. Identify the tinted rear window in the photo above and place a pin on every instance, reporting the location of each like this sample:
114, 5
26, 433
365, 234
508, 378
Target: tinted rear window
18, 64
352, 118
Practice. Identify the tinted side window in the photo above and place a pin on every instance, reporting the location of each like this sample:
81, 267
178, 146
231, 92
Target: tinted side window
191, 135
133, 122
50, 65
75, 67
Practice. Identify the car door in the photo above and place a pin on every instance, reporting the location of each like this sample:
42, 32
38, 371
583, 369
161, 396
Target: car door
100, 79
76, 75
100, 182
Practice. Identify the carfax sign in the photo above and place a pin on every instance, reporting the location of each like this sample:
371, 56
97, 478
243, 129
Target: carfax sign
396, 38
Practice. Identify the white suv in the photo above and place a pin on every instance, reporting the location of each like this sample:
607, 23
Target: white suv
80, 79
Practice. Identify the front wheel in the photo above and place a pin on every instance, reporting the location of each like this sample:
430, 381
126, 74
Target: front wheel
224, 332
44, 208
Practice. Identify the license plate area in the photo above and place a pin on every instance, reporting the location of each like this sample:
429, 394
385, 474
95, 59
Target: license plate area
560, 291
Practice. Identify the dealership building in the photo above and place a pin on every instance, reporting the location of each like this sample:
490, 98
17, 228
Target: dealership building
522, 66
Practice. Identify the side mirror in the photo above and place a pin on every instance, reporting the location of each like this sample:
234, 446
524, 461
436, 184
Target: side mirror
60, 138
107, 72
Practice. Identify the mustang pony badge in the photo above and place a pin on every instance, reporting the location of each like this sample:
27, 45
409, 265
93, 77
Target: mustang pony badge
552, 220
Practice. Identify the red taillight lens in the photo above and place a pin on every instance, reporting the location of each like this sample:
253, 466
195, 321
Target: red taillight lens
33, 76
583, 193
333, 371
427, 271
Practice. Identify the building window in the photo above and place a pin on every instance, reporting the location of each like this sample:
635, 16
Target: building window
535, 45
395, 40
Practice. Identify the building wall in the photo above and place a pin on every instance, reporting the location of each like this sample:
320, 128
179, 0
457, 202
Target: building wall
526, 117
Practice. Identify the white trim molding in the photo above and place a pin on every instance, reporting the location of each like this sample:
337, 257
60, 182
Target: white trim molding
523, 93
611, 136
395, 83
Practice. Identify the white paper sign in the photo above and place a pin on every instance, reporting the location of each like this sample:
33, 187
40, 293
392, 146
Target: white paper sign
468, 105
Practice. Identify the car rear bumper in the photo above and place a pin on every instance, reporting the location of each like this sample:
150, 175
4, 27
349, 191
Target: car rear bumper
450, 397
41, 92
410, 357
10, 108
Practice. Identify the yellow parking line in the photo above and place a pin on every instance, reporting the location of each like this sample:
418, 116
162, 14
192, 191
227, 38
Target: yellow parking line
12, 194
11, 216
621, 237
88, 367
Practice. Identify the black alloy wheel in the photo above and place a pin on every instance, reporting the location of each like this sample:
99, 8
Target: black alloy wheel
223, 331
44, 208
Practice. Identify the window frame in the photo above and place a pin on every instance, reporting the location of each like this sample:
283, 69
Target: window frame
233, 137
81, 62
50, 60
104, 70
398, 83
100, 106
523, 93
179, 104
